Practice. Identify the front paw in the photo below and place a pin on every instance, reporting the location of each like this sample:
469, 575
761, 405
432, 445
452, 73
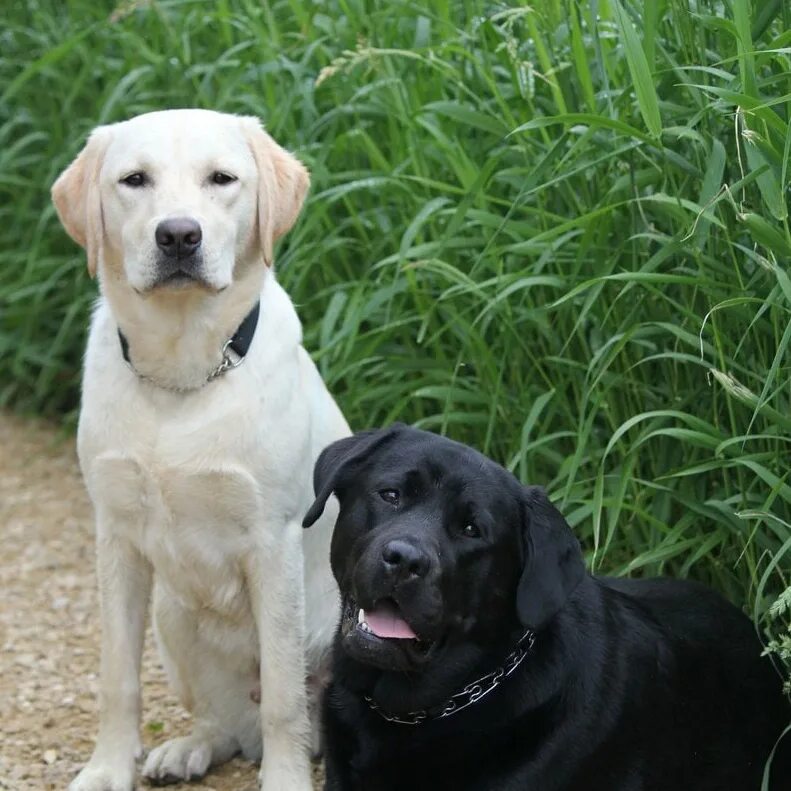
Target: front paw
107, 776
186, 758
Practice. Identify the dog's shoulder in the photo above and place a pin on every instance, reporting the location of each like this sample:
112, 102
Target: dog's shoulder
679, 605
701, 630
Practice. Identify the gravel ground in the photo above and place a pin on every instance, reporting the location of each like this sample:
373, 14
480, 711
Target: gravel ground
49, 631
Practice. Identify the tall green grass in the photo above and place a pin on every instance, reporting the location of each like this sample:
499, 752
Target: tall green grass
558, 231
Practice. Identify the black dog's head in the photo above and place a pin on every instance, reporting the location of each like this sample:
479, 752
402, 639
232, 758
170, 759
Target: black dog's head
437, 546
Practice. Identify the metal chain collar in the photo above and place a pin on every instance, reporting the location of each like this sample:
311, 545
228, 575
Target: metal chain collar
226, 363
470, 694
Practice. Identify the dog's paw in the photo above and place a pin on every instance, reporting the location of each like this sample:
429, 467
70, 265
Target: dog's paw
104, 777
187, 758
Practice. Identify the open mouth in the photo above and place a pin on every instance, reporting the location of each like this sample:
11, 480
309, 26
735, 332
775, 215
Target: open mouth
381, 635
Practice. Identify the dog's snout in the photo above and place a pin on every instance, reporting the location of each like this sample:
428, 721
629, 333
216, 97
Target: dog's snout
404, 560
178, 237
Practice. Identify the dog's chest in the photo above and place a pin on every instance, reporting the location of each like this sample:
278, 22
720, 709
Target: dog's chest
193, 511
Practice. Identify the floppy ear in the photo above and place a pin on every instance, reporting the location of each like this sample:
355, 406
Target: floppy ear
339, 459
283, 182
553, 565
77, 197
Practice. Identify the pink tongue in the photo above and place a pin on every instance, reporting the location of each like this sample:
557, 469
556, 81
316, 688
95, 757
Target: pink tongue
385, 621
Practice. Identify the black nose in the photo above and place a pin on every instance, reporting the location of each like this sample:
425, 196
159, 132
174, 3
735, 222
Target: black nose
178, 237
404, 560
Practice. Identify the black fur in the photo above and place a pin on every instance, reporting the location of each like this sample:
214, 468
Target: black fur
653, 685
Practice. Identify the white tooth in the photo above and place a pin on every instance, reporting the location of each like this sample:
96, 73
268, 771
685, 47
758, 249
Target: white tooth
360, 616
364, 626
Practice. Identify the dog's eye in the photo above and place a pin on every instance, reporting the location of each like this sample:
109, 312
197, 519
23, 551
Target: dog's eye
136, 179
218, 177
470, 531
390, 496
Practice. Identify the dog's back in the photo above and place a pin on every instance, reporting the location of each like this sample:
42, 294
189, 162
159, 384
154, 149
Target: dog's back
726, 697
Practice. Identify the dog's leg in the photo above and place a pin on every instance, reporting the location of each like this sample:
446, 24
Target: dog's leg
212, 687
338, 757
322, 611
275, 581
317, 683
124, 578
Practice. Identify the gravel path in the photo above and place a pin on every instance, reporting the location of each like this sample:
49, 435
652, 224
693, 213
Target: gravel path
49, 640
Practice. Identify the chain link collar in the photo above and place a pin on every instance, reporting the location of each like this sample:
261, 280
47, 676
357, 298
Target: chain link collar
226, 363
470, 694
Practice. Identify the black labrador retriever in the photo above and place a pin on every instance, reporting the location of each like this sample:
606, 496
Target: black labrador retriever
475, 653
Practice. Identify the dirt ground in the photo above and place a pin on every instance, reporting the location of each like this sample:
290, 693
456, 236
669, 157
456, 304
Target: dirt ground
49, 637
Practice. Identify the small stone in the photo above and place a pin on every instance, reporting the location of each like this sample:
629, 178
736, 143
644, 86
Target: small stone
50, 756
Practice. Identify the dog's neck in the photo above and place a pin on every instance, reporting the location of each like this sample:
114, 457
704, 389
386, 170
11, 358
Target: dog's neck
534, 682
401, 694
176, 338
466, 696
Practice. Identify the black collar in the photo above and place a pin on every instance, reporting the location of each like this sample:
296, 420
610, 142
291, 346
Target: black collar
470, 694
239, 344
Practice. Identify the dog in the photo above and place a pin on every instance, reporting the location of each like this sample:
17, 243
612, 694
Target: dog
202, 416
475, 653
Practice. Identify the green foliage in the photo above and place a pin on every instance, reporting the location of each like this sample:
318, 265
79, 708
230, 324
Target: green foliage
557, 231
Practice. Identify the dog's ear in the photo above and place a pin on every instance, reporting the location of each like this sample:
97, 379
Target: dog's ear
553, 563
339, 459
77, 197
283, 182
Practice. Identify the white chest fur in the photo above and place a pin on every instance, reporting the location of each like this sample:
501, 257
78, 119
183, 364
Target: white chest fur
197, 481
193, 525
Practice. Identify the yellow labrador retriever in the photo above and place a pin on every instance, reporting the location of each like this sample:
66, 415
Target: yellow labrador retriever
202, 417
